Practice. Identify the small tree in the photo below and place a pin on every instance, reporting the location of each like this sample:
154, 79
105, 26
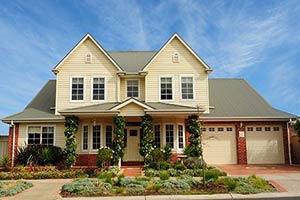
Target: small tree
296, 126
146, 146
118, 141
194, 148
71, 127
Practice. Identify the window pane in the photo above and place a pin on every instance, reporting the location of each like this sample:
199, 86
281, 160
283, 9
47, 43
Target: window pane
34, 135
187, 88
98, 88
132, 88
77, 88
157, 136
166, 91
108, 136
170, 135
47, 135
180, 137
96, 136
85, 142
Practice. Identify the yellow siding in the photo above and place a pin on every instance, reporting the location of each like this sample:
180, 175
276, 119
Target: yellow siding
75, 66
163, 66
123, 88
59, 136
132, 110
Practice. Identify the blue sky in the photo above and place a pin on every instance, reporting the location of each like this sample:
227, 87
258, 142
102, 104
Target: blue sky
255, 40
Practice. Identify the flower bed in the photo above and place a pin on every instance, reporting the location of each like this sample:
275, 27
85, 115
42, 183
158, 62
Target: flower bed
12, 188
120, 186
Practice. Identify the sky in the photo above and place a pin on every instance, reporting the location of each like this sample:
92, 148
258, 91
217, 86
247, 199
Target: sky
255, 40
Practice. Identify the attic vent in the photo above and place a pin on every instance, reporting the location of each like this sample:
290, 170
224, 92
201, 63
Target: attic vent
88, 58
175, 57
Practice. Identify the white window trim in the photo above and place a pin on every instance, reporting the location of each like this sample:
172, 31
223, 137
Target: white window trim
101, 137
105, 91
85, 150
183, 135
174, 135
41, 127
84, 86
180, 86
139, 88
159, 90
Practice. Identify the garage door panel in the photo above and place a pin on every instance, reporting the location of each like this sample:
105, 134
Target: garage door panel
265, 147
219, 147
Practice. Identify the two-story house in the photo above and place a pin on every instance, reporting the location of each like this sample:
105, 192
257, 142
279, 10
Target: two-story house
238, 125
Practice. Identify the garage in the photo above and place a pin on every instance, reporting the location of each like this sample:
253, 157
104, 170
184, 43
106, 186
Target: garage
219, 144
264, 145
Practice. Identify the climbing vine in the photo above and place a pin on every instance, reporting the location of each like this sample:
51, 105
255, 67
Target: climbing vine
118, 141
194, 148
146, 146
71, 127
296, 126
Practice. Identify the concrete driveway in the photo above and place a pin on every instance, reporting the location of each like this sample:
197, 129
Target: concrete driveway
288, 177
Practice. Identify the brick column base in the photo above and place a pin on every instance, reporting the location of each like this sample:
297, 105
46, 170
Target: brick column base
10, 143
241, 146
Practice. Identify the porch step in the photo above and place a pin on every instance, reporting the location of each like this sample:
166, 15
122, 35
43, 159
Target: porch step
132, 170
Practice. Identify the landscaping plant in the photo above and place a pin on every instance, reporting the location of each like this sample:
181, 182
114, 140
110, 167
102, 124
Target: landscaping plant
146, 146
118, 140
5, 161
296, 126
71, 127
12, 188
104, 156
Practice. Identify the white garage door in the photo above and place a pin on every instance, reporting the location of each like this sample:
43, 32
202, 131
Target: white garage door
219, 144
264, 145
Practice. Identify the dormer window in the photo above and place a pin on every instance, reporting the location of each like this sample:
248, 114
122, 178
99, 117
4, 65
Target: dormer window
88, 58
175, 57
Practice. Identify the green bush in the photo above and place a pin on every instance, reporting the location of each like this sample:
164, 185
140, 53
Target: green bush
179, 166
114, 170
211, 175
134, 188
12, 188
188, 172
106, 177
104, 156
164, 175
85, 186
5, 176
173, 172
5, 161
171, 186
77, 173
229, 182
259, 182
165, 165
151, 173
193, 163
153, 186
136, 181
167, 151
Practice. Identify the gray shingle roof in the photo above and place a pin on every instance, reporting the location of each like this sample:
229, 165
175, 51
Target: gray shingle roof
132, 61
229, 97
236, 98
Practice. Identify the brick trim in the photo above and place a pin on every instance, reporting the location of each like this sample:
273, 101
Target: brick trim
86, 160
10, 142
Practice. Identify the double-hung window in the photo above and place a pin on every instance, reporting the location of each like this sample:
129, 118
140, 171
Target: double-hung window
77, 89
96, 137
166, 88
40, 135
170, 135
133, 88
98, 88
85, 138
180, 137
157, 136
108, 136
187, 88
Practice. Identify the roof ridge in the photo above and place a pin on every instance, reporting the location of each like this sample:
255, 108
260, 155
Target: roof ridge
226, 79
121, 51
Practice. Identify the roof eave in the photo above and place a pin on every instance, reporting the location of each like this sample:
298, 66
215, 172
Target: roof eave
264, 118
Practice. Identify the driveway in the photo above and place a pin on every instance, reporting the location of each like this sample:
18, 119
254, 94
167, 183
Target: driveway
47, 189
288, 177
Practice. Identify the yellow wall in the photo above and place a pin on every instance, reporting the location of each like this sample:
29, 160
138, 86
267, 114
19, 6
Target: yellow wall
163, 66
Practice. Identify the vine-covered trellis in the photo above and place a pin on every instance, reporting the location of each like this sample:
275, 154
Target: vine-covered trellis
194, 148
71, 127
118, 141
146, 146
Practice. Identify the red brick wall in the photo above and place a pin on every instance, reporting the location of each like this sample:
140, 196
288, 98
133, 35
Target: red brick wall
10, 141
86, 160
241, 145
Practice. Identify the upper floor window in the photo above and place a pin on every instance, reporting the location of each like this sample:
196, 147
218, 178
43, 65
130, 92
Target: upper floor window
175, 57
132, 88
40, 135
166, 88
187, 87
98, 88
77, 89
88, 58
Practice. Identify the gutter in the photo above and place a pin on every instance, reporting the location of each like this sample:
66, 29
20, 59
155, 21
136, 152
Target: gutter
13, 143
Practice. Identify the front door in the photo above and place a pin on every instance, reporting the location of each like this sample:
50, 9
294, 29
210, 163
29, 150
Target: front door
132, 150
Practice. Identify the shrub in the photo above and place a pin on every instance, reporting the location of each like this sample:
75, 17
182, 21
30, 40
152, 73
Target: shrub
179, 166
157, 155
114, 170
106, 177
174, 186
134, 188
188, 172
119, 178
211, 175
104, 156
165, 165
198, 172
259, 182
164, 175
167, 151
229, 182
5, 176
151, 173
153, 186
5, 161
78, 173
194, 149
193, 163
138, 181
12, 188
173, 172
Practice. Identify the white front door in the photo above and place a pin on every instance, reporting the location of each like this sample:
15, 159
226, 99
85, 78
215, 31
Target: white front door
132, 150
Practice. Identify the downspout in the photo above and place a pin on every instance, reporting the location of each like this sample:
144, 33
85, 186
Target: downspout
13, 143
289, 141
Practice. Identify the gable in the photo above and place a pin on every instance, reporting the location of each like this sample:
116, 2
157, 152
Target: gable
87, 43
132, 109
178, 44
